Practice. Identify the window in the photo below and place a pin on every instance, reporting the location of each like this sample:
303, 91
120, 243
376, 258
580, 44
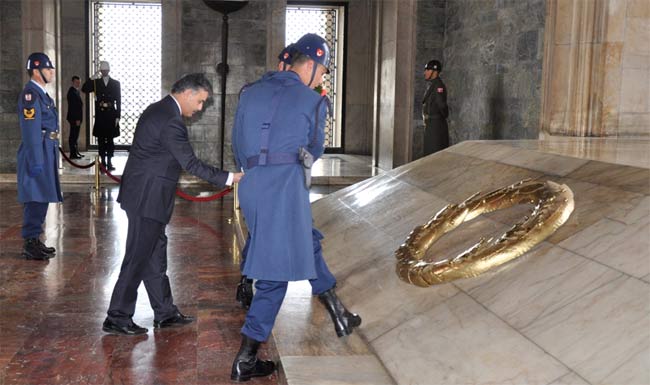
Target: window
326, 21
128, 36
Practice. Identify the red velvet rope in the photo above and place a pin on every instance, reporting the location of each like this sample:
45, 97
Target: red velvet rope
73, 163
179, 192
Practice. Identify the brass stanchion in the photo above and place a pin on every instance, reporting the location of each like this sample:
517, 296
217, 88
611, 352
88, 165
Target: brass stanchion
96, 173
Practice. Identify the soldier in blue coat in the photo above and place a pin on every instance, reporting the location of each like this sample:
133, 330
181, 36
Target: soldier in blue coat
278, 132
38, 156
324, 283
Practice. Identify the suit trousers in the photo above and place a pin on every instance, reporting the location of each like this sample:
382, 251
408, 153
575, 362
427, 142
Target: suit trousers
264, 309
73, 138
145, 261
33, 218
436, 135
105, 146
324, 280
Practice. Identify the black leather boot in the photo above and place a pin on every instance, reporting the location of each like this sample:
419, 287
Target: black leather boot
343, 320
32, 250
47, 250
245, 292
247, 365
109, 166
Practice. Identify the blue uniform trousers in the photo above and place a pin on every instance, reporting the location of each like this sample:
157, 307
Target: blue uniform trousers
145, 260
33, 218
270, 294
264, 308
324, 278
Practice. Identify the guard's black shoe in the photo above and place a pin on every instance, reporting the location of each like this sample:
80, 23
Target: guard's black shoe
247, 365
129, 330
80, 155
343, 320
179, 319
47, 250
245, 292
32, 250
74, 156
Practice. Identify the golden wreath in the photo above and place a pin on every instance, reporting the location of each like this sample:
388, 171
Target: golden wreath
553, 204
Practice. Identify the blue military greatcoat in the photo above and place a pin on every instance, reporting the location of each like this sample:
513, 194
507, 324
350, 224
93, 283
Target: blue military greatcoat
38, 119
273, 197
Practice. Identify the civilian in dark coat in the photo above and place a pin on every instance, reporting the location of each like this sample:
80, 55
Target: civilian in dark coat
74, 116
160, 151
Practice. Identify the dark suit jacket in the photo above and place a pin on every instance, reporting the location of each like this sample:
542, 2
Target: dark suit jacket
75, 106
110, 95
160, 150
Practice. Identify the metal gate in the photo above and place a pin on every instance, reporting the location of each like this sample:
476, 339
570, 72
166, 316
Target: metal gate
326, 21
128, 36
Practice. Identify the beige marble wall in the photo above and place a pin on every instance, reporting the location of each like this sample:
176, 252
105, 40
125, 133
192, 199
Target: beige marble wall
574, 310
597, 68
74, 46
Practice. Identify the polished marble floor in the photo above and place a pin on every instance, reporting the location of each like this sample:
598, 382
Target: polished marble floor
52, 311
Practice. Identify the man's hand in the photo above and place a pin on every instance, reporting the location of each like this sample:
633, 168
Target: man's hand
117, 121
236, 177
35, 170
77, 122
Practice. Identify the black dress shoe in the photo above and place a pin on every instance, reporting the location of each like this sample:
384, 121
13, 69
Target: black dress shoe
74, 156
129, 330
33, 250
179, 319
80, 155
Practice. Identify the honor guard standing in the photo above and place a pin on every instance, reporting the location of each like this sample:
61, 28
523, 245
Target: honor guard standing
38, 155
278, 133
435, 110
108, 102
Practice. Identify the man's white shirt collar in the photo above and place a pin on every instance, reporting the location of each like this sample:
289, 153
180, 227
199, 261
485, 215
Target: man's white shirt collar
180, 111
39, 86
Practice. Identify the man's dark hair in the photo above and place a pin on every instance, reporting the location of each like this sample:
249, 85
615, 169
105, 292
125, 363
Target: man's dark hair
297, 58
30, 73
194, 82
75, 77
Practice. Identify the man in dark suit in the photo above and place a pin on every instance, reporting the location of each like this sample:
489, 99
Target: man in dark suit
74, 116
108, 101
160, 151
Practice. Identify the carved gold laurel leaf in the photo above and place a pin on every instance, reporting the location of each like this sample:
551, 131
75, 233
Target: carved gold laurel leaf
552, 206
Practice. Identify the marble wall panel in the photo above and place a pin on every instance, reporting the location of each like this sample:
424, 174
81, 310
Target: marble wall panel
628, 178
592, 203
457, 338
616, 245
635, 94
537, 284
603, 336
384, 301
353, 370
570, 379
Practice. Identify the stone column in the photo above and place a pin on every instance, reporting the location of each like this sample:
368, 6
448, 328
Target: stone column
394, 83
596, 68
